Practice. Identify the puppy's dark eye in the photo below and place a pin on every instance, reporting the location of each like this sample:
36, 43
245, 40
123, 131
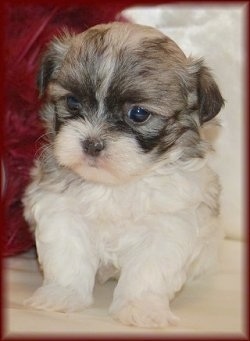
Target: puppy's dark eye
73, 104
138, 114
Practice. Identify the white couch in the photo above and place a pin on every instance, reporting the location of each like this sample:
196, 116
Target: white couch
213, 304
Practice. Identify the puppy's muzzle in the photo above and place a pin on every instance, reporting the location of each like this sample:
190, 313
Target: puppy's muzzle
92, 147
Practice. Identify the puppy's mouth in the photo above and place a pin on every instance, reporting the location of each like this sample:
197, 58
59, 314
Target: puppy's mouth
97, 169
93, 162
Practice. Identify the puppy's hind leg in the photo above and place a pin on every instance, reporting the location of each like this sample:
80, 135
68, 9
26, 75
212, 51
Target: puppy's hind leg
65, 254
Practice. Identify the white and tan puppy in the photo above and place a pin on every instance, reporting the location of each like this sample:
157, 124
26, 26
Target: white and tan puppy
122, 188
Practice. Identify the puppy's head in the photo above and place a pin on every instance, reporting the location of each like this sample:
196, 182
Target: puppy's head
122, 99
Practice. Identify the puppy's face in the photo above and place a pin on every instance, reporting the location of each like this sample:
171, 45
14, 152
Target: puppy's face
123, 99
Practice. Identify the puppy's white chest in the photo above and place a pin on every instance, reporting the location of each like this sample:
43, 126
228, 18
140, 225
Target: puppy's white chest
124, 205
121, 216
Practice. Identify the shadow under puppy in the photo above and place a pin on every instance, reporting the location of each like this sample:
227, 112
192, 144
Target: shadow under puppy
122, 187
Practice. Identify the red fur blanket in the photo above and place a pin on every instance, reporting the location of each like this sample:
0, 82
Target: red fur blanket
29, 26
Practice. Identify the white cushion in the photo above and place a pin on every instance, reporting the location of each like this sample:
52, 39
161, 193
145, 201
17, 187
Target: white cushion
217, 34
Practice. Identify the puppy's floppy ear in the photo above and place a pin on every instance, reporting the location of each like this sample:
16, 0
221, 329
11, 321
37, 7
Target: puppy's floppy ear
52, 59
209, 98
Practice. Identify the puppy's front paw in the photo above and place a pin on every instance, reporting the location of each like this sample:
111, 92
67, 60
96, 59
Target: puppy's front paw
148, 312
53, 297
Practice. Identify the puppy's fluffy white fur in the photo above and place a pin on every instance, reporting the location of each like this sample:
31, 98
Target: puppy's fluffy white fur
151, 223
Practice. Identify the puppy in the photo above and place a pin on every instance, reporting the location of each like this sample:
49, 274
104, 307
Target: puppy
122, 187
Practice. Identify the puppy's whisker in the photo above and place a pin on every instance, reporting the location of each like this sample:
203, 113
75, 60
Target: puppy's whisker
45, 137
44, 152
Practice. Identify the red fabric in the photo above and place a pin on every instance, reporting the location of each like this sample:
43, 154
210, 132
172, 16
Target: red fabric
28, 28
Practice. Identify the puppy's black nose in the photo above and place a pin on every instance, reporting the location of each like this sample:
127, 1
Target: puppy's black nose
92, 146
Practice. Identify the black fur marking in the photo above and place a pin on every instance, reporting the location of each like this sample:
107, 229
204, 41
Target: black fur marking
57, 122
148, 143
85, 92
